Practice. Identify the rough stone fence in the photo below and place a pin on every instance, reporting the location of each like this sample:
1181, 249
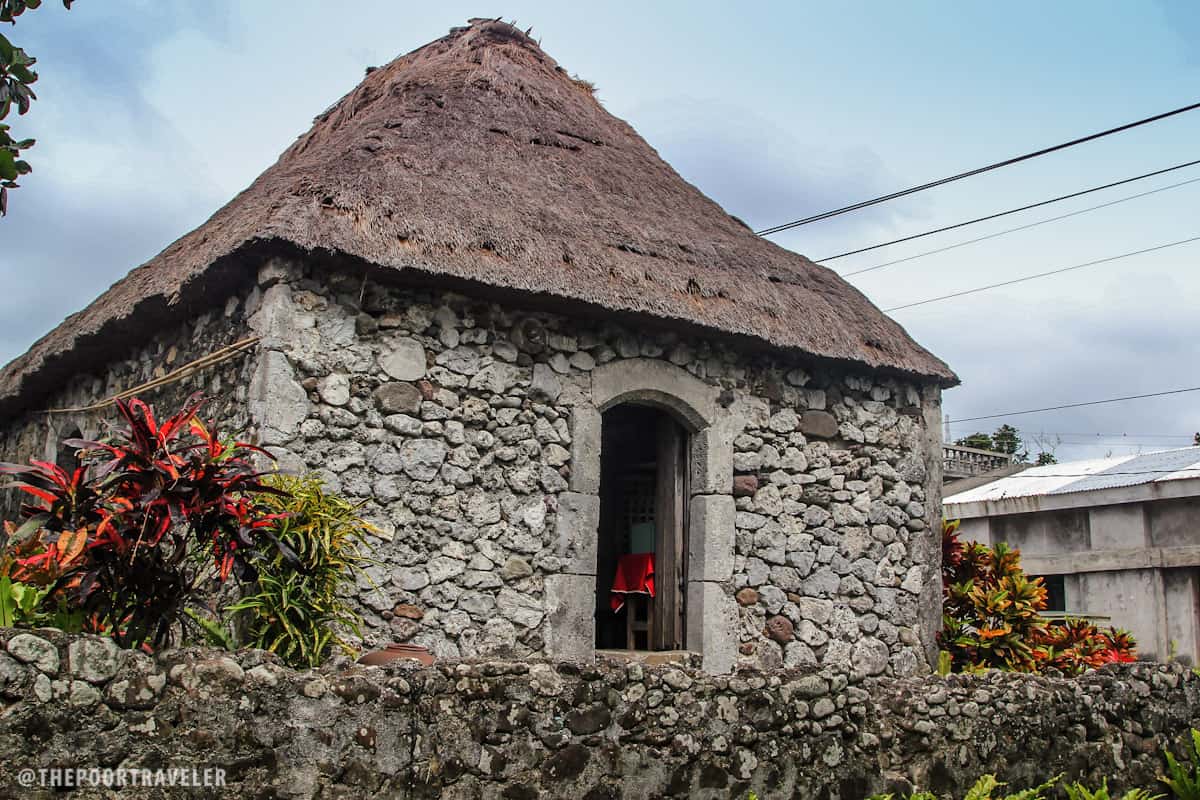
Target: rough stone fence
517, 730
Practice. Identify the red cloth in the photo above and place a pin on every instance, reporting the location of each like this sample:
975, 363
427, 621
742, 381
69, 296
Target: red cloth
635, 575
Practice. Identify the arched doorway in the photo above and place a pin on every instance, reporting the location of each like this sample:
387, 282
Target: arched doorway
641, 551
710, 425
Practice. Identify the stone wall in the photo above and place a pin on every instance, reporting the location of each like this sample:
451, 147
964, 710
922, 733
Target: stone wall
533, 729
469, 431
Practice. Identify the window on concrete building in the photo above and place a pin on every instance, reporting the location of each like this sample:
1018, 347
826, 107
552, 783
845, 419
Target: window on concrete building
1056, 592
641, 549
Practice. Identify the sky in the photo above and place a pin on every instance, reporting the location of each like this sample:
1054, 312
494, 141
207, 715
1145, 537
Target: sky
153, 113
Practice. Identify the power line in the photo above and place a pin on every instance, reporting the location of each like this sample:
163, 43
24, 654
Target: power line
1060, 198
1043, 274
1080, 405
1020, 228
1102, 442
1093, 433
977, 171
1128, 437
1110, 445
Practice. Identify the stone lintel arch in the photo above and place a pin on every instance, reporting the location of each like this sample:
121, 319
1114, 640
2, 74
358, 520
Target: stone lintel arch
657, 383
711, 612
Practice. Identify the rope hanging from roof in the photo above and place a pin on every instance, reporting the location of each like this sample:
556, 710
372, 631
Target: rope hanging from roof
188, 369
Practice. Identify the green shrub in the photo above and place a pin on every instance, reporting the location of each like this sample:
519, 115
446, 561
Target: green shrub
991, 617
1184, 784
298, 609
125, 542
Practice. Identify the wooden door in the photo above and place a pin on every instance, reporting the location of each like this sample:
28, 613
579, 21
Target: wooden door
670, 533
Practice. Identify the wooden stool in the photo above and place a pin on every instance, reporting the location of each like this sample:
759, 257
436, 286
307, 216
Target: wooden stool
639, 618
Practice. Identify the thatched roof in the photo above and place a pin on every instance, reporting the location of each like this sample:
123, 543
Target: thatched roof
477, 158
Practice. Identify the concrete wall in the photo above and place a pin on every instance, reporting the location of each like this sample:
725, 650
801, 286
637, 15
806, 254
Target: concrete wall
1174, 523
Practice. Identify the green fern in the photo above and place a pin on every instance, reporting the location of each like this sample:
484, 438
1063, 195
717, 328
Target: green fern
1077, 791
214, 634
987, 784
1184, 785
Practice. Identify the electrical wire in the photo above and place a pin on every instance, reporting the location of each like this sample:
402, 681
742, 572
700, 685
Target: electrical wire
1020, 228
997, 215
1137, 435
1120, 442
977, 171
1084, 437
1110, 445
1042, 274
1079, 405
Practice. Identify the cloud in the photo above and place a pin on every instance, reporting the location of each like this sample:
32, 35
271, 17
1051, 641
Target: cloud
1053, 353
766, 175
113, 181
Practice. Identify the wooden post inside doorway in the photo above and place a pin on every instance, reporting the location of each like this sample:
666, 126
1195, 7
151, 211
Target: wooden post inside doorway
670, 532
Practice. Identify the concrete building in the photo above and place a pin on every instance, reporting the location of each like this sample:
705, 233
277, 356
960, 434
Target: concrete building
960, 463
1115, 537
478, 303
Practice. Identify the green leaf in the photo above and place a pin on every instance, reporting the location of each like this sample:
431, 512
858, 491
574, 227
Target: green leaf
6, 49
21, 58
7, 607
982, 790
24, 74
34, 523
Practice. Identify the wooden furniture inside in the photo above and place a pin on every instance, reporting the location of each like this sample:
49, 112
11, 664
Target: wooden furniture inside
643, 486
639, 621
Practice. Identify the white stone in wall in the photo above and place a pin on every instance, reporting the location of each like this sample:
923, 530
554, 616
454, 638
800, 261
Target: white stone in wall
443, 568
914, 581
405, 361
495, 378
519, 608
422, 458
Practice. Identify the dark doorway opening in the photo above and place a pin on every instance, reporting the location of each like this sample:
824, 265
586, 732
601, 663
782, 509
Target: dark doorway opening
643, 530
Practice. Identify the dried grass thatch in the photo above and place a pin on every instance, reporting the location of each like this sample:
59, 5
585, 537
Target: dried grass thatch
478, 159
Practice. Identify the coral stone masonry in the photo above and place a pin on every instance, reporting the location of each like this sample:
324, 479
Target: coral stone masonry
479, 473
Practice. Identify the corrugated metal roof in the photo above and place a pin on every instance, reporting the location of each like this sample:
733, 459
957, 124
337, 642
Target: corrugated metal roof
1089, 475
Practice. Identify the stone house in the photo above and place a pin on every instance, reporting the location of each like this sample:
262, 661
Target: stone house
483, 306
1117, 538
